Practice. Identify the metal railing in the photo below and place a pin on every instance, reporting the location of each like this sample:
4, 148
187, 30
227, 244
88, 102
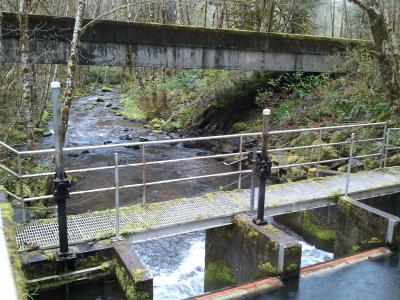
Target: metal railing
144, 163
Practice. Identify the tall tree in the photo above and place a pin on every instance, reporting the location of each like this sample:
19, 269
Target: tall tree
26, 69
386, 47
71, 67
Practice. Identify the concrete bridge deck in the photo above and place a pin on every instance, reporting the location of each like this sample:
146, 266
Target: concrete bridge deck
206, 211
113, 43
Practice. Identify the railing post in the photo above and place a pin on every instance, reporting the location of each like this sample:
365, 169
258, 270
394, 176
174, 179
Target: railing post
240, 163
253, 179
387, 145
21, 187
116, 173
61, 183
264, 167
144, 175
385, 133
319, 152
349, 166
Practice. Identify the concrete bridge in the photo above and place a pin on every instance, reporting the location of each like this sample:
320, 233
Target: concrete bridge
113, 43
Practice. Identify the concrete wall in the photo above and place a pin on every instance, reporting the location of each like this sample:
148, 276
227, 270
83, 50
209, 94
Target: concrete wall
244, 252
316, 226
152, 45
363, 227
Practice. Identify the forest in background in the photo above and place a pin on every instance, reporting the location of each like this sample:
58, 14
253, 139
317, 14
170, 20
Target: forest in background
190, 100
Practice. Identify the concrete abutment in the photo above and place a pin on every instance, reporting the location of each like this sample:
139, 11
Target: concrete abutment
244, 252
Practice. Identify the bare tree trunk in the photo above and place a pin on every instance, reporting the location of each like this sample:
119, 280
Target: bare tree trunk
178, 11
26, 69
386, 49
71, 70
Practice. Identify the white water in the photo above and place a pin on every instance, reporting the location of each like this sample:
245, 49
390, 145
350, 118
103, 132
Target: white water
177, 263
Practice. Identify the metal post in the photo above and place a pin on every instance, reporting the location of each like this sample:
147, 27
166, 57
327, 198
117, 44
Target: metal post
240, 163
264, 166
319, 152
349, 166
21, 187
387, 145
385, 129
116, 173
253, 179
61, 183
144, 174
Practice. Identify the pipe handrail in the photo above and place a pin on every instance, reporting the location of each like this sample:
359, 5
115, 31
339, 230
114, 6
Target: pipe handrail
214, 156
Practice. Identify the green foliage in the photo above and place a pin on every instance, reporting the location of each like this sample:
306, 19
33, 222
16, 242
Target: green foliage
355, 248
217, 274
267, 268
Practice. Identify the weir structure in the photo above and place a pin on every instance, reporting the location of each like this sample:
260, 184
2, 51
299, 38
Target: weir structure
112, 43
260, 250
237, 249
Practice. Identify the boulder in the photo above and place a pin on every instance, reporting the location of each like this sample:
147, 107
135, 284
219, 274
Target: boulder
47, 133
106, 89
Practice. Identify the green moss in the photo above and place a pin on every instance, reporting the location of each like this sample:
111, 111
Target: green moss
270, 228
267, 268
312, 229
217, 274
336, 196
9, 230
246, 229
239, 127
106, 89
138, 274
355, 248
292, 268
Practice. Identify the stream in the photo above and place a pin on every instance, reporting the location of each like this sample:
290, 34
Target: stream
93, 123
176, 263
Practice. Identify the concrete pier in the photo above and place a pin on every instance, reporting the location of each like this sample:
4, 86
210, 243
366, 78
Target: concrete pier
245, 252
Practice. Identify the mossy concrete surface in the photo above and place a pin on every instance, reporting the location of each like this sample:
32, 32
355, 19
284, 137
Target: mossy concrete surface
7, 215
361, 227
245, 252
131, 274
317, 226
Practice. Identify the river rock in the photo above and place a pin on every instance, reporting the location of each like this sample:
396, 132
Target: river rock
135, 147
174, 135
105, 89
107, 142
47, 133
148, 138
85, 152
108, 104
72, 154
100, 99
114, 107
125, 137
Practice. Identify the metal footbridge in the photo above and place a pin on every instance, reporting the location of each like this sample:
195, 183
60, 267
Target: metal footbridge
370, 141
207, 211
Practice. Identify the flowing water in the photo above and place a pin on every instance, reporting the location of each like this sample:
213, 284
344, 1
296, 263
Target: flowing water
93, 123
176, 263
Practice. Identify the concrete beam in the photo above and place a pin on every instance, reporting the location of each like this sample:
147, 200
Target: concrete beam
152, 45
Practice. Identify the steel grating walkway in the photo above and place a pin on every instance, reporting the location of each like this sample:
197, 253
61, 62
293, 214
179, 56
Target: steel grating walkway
210, 210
